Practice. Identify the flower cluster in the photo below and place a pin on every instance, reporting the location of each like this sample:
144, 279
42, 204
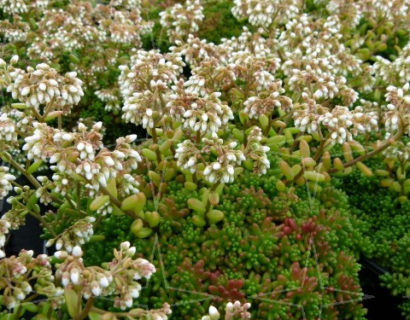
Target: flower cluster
143, 84
263, 13
204, 114
5, 181
234, 310
237, 310
348, 10
76, 235
82, 155
22, 6
17, 274
119, 278
306, 116
267, 101
222, 170
4, 230
137, 109
396, 72
399, 108
196, 50
23, 277
8, 132
182, 20
399, 151
44, 86
149, 70
15, 31
340, 122
256, 152
110, 97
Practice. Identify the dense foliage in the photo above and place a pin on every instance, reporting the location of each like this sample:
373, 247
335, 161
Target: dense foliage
387, 225
204, 159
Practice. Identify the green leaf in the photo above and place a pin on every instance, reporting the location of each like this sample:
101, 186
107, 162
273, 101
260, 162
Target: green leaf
94, 315
99, 202
112, 187
196, 205
135, 202
72, 302
144, 233
149, 154
215, 216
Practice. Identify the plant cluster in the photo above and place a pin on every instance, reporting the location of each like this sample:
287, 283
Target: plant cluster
385, 224
230, 192
257, 244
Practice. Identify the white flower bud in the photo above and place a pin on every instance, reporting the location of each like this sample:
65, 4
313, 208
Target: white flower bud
75, 276
77, 252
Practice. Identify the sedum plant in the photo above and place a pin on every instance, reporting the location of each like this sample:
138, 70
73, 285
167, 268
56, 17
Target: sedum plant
63, 283
242, 140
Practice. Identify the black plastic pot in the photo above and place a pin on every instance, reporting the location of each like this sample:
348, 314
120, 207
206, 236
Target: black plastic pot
383, 305
27, 236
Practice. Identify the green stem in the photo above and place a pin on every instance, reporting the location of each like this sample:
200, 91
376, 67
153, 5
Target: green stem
370, 154
18, 167
78, 200
155, 140
16, 315
86, 310
43, 222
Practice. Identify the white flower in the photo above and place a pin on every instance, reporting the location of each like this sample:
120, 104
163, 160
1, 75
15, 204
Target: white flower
77, 252
75, 276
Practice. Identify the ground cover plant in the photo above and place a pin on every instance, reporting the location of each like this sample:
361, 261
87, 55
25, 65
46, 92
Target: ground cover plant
203, 159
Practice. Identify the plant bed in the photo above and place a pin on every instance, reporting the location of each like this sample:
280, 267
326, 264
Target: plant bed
203, 159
